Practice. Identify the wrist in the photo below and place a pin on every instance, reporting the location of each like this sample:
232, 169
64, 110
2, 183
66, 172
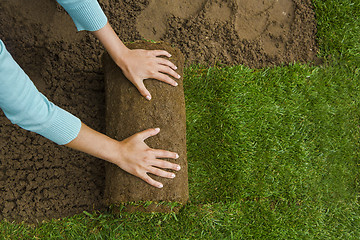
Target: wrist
96, 144
112, 43
120, 57
111, 151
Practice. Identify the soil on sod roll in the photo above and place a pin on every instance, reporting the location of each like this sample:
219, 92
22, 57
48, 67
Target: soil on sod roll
127, 113
40, 180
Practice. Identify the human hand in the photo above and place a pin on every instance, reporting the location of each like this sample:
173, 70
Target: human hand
138, 65
131, 154
135, 157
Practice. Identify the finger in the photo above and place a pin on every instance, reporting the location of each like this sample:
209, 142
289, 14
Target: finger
152, 182
165, 78
166, 62
158, 53
143, 91
165, 165
159, 153
161, 173
168, 70
148, 133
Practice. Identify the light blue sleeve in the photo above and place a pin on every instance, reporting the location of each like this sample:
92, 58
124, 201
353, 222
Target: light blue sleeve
86, 14
25, 106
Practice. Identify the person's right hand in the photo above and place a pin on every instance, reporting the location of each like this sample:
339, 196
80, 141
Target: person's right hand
137, 158
131, 154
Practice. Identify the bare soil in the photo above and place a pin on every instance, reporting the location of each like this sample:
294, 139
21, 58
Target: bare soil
40, 180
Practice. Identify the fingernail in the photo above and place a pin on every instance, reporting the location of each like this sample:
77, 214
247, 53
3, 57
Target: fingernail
178, 168
175, 67
148, 98
175, 84
176, 156
170, 55
172, 175
178, 76
157, 129
160, 186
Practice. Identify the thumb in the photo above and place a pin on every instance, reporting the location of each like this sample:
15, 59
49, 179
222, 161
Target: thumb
143, 91
148, 133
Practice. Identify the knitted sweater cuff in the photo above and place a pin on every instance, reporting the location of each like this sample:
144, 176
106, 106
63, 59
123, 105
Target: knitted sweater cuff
64, 127
87, 14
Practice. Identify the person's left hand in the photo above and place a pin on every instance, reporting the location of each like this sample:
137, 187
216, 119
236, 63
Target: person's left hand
138, 65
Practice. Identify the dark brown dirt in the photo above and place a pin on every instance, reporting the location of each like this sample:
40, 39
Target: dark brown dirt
40, 180
127, 113
255, 33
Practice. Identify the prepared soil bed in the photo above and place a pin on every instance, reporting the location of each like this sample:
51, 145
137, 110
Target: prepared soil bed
40, 180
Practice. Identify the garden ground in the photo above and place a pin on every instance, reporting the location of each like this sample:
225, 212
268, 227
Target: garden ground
273, 152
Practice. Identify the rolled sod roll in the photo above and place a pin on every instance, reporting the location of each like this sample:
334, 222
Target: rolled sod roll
127, 113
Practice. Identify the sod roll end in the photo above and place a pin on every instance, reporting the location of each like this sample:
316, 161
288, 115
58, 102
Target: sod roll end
127, 113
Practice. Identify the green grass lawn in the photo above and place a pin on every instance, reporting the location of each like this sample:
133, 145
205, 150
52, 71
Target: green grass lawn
273, 153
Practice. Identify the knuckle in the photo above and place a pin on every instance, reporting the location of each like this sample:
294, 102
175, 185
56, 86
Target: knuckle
160, 163
149, 180
175, 166
163, 78
149, 155
140, 87
161, 152
166, 165
149, 151
139, 134
168, 154
137, 172
154, 152
155, 171
145, 159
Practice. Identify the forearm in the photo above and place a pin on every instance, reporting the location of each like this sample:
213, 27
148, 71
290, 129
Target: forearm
95, 144
25, 106
112, 43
